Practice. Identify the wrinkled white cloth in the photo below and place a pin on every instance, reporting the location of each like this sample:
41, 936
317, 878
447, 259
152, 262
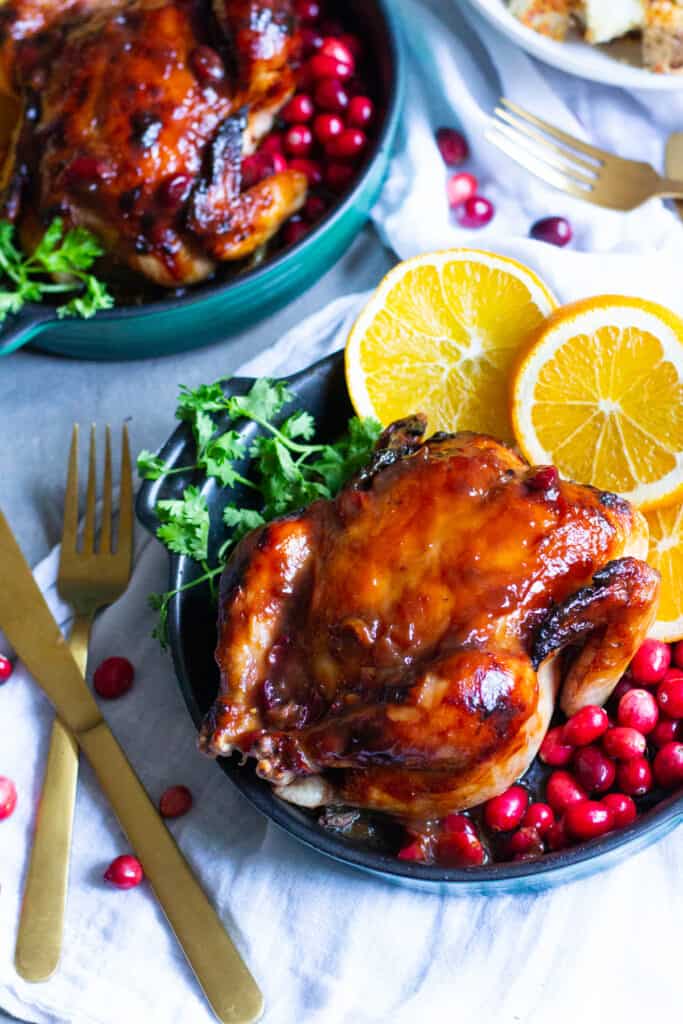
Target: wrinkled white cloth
329, 945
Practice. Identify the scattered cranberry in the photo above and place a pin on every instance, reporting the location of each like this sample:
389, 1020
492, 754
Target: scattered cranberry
314, 208
556, 837
525, 840
273, 143
6, 668
207, 64
623, 686
414, 851
294, 230
586, 726
622, 807
623, 743
125, 872
175, 801
635, 776
175, 190
638, 710
670, 694
460, 850
338, 176
300, 108
650, 662
543, 479
8, 797
361, 112
327, 127
539, 817
668, 765
307, 10
298, 140
348, 145
677, 654
331, 95
505, 812
461, 186
311, 40
84, 170
562, 790
113, 677
665, 731
593, 770
275, 164
458, 823
336, 49
475, 212
554, 751
352, 43
321, 65
554, 230
311, 168
253, 169
452, 146
589, 819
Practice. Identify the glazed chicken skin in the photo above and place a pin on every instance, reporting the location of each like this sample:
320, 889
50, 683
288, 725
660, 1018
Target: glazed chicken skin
397, 648
136, 119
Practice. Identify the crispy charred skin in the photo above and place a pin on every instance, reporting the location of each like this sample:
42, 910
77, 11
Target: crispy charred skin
405, 633
138, 117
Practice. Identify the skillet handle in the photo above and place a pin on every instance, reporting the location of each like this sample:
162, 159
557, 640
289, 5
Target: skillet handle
19, 328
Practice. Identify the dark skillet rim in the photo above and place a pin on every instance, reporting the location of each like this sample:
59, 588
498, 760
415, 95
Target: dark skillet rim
660, 819
197, 295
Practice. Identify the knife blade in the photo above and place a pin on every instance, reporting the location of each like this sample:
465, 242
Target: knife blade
674, 162
32, 631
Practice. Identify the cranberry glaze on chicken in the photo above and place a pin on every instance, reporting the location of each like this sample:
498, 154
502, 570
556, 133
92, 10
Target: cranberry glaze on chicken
136, 118
397, 648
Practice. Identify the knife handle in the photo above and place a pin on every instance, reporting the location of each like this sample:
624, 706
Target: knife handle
221, 972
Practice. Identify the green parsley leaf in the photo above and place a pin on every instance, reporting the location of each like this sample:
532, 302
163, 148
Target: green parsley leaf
299, 424
150, 466
205, 398
241, 520
219, 455
264, 401
185, 524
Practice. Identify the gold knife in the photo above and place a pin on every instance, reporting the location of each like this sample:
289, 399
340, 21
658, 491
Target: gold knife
35, 636
674, 162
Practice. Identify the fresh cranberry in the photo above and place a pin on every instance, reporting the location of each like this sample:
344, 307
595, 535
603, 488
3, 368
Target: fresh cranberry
460, 850
413, 851
539, 816
311, 168
352, 43
543, 479
554, 751
294, 230
554, 230
273, 143
175, 190
638, 710
635, 776
254, 169
300, 108
314, 208
452, 146
525, 840
650, 662
327, 127
677, 654
623, 686
623, 743
311, 40
666, 731
562, 790
585, 726
668, 765
622, 807
556, 837
348, 145
298, 140
113, 677
589, 819
338, 176
275, 164
8, 797
321, 65
6, 668
84, 170
475, 212
593, 770
207, 64
337, 50
461, 186
458, 823
307, 10
361, 112
331, 95
670, 694
125, 872
505, 812
175, 801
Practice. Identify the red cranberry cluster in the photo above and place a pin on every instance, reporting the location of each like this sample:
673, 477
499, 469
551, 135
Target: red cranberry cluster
323, 129
600, 763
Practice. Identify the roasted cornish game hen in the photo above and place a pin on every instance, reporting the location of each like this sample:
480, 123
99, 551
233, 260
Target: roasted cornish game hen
397, 648
136, 119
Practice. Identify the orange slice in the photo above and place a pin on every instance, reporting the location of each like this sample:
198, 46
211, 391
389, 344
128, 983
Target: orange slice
666, 554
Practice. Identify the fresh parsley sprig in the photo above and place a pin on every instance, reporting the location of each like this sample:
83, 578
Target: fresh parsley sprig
287, 472
67, 256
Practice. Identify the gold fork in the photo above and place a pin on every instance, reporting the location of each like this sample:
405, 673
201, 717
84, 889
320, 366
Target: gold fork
88, 579
560, 160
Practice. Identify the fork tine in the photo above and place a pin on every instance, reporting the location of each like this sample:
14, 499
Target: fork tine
597, 154
537, 167
89, 530
70, 530
125, 545
544, 153
105, 532
521, 126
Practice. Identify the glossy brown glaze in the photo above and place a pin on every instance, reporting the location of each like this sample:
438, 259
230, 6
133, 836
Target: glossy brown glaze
405, 633
137, 119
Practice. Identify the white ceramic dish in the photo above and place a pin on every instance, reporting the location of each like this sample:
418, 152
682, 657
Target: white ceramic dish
614, 64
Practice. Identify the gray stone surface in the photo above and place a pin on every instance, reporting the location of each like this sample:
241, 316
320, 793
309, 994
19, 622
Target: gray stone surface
41, 396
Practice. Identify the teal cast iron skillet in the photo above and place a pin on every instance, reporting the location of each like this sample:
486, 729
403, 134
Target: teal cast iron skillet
209, 312
192, 638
